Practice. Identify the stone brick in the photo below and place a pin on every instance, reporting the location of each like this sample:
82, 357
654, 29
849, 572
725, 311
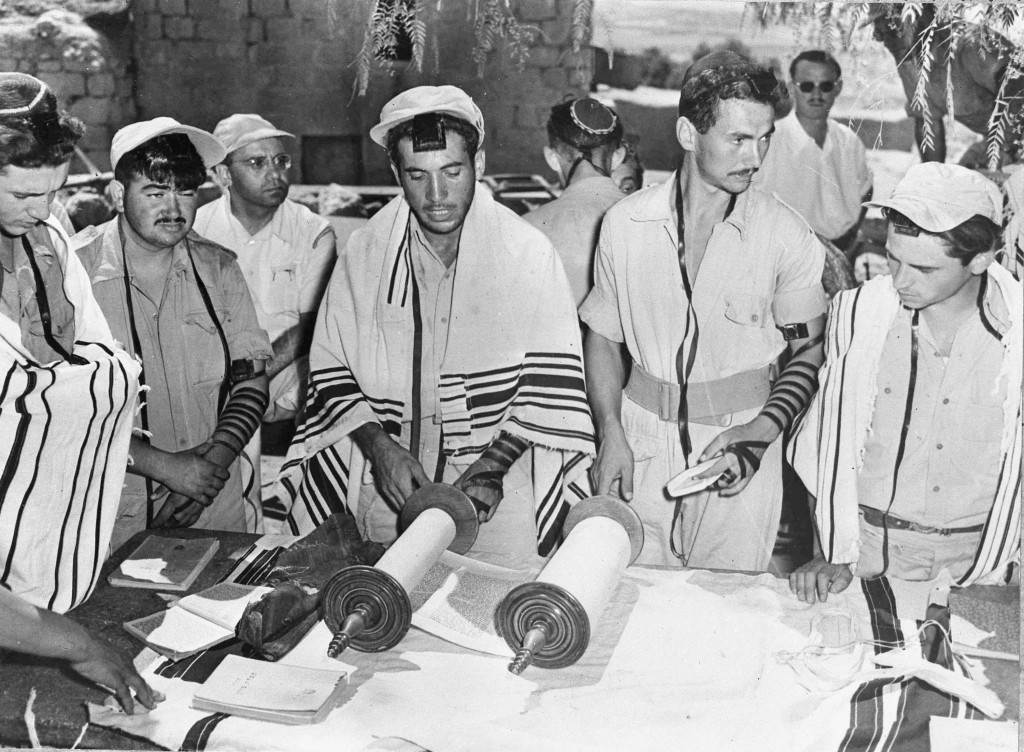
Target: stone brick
554, 78
544, 56
536, 10
144, 6
230, 50
67, 84
49, 66
268, 8
179, 27
92, 110
556, 31
217, 28
151, 25
256, 31
174, 7
316, 9
286, 31
101, 84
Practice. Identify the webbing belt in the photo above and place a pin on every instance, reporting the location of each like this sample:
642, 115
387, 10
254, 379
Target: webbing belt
705, 399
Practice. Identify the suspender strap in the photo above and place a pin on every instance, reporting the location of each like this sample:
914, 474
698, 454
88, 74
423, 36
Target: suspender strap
44, 309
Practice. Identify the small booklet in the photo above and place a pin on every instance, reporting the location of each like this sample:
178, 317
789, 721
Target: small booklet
196, 622
271, 691
165, 563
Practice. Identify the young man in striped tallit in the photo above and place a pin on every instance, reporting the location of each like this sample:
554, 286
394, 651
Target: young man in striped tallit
447, 349
65, 407
913, 443
180, 303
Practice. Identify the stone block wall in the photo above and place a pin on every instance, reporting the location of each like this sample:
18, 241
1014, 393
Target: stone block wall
291, 61
87, 69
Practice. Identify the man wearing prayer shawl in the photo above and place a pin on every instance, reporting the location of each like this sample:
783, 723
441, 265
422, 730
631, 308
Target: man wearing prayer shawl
912, 445
447, 349
69, 393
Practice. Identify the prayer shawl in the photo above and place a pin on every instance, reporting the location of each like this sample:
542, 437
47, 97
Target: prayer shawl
513, 363
1013, 234
827, 449
64, 435
730, 654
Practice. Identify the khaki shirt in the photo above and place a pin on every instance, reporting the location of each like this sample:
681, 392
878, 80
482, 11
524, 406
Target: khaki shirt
182, 356
762, 268
18, 299
286, 264
951, 461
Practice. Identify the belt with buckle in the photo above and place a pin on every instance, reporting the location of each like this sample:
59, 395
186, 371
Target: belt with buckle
878, 518
707, 400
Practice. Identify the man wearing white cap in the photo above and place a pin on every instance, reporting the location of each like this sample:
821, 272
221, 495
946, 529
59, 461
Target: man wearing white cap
913, 443
179, 303
447, 349
285, 251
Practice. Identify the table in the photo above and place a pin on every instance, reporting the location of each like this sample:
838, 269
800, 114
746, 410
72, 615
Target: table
60, 695
59, 705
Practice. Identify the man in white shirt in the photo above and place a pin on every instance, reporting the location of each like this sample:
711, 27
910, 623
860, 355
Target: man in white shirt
286, 252
817, 165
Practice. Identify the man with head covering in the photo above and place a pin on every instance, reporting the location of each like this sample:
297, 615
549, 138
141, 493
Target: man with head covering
285, 251
913, 443
707, 282
180, 304
65, 410
584, 145
446, 349
815, 164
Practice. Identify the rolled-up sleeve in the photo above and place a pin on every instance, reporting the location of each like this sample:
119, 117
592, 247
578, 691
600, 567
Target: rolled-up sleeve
317, 270
799, 296
246, 340
600, 309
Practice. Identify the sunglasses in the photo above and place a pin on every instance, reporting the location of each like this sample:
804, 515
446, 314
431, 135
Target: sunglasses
825, 87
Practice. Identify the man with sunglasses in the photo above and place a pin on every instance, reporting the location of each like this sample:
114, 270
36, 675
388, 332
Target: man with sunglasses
913, 443
286, 252
180, 304
707, 283
817, 165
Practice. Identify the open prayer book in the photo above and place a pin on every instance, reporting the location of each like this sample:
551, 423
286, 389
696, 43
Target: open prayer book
270, 691
197, 621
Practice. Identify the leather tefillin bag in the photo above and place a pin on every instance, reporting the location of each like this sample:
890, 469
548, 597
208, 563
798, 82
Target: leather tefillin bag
275, 623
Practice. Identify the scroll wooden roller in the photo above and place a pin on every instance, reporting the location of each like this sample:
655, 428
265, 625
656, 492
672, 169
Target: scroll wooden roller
548, 622
368, 607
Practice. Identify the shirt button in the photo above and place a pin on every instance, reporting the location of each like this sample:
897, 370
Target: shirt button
182, 442
945, 401
935, 489
938, 446
444, 319
888, 390
753, 317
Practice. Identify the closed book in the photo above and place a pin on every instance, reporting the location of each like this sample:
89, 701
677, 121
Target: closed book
270, 691
161, 563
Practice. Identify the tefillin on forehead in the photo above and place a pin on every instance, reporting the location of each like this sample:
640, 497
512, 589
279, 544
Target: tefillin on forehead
428, 132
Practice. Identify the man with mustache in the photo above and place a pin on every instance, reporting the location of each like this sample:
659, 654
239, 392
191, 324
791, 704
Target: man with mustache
179, 303
816, 165
286, 252
447, 349
913, 444
707, 282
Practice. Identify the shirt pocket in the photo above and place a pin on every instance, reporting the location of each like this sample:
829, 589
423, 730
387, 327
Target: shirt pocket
204, 351
282, 293
746, 309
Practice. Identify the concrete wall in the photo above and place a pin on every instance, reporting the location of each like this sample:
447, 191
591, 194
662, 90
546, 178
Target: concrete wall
200, 60
88, 67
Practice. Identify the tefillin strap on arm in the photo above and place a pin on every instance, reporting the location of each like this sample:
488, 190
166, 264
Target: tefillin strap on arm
240, 418
490, 468
793, 390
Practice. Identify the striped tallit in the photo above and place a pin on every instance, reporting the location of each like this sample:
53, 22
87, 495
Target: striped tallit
828, 446
513, 363
64, 434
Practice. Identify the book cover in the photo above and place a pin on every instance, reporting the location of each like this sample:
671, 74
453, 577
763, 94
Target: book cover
161, 563
270, 691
